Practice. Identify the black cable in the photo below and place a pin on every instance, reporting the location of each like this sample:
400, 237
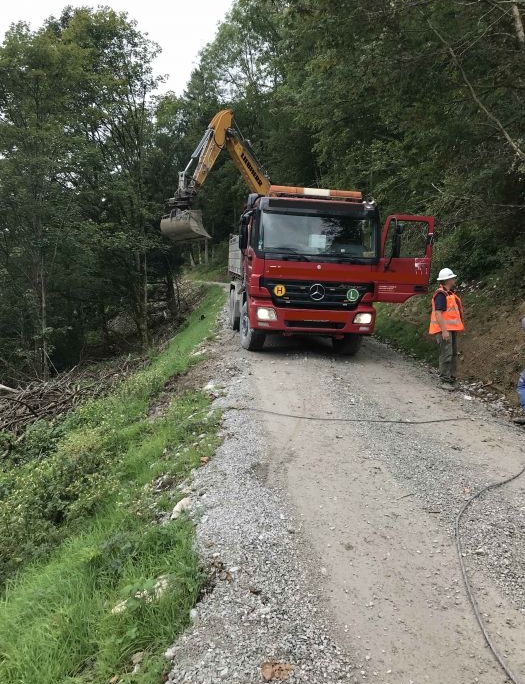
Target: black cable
468, 587
344, 420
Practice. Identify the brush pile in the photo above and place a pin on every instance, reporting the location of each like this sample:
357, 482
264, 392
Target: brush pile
48, 400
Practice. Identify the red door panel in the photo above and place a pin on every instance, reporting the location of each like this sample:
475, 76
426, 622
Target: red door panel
401, 277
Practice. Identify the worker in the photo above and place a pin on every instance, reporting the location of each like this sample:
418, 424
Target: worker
520, 420
445, 323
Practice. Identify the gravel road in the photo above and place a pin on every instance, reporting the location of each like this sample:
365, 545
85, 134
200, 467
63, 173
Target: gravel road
332, 540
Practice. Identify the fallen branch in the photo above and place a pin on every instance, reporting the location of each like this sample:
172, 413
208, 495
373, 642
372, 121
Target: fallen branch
4, 388
48, 400
23, 403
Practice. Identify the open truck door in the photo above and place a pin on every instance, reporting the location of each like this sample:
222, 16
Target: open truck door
406, 254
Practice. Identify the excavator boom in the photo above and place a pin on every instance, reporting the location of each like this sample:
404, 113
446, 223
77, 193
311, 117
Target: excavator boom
183, 223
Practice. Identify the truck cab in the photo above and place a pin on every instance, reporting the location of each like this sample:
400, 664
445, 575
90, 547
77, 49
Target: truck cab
310, 261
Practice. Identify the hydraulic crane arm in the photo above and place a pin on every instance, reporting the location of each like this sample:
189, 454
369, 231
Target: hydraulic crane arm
221, 133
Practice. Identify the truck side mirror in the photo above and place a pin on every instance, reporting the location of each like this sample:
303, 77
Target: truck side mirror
243, 230
396, 242
243, 237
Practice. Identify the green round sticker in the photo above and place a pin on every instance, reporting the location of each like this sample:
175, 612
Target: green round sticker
352, 295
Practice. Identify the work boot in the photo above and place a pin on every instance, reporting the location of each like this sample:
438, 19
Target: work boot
448, 386
519, 420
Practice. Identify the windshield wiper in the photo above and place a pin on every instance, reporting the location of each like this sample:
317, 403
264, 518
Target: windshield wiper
289, 250
342, 259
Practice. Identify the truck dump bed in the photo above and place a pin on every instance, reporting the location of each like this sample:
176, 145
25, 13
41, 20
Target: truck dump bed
234, 258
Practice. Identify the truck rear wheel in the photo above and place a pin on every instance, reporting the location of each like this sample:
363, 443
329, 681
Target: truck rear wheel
348, 346
234, 319
251, 339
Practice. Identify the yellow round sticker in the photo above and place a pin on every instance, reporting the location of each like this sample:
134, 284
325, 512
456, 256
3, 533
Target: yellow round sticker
279, 290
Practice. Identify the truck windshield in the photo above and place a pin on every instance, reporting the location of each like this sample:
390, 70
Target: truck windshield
330, 235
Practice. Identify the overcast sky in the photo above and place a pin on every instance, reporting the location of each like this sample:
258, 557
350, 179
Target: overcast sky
180, 28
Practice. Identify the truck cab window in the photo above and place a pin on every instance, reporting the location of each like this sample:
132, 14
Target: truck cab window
413, 239
319, 235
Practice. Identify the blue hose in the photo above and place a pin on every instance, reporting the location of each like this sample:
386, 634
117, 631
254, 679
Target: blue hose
521, 389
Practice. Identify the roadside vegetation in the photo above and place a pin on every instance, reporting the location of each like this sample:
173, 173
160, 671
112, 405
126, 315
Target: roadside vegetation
492, 348
97, 580
215, 271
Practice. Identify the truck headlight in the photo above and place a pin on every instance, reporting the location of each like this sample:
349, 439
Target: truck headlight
363, 318
266, 314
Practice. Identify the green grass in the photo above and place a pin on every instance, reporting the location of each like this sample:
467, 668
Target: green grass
56, 622
217, 268
404, 334
213, 273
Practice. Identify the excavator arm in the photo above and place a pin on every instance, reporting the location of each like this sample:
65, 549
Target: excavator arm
182, 223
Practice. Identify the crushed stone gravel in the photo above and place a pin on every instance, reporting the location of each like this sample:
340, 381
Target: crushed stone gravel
263, 607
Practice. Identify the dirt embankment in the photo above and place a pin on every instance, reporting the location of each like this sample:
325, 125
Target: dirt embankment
492, 348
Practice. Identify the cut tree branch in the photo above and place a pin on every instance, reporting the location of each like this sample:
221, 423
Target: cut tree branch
3, 388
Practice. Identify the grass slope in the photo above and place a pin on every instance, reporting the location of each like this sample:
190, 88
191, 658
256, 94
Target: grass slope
89, 516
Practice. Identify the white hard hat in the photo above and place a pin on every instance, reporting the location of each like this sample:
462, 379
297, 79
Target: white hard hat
446, 274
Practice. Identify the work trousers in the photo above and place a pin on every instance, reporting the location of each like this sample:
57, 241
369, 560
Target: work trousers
448, 356
521, 389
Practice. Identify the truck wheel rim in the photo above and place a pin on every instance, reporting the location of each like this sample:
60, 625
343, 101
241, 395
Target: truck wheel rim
245, 325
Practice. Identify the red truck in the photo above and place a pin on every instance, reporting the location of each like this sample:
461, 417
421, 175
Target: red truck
306, 260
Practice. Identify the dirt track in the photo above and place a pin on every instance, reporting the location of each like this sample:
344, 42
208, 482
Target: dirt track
377, 502
374, 506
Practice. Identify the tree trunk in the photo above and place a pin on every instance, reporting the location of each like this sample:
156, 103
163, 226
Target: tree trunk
170, 294
141, 299
206, 252
40, 294
43, 318
520, 33
104, 329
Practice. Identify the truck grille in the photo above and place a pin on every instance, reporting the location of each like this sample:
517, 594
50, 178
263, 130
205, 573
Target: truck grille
314, 324
311, 294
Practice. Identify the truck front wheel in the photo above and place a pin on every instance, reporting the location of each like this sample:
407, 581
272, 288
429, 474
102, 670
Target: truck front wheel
348, 346
251, 339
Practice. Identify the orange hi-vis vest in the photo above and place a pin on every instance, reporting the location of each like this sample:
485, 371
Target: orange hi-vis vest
453, 316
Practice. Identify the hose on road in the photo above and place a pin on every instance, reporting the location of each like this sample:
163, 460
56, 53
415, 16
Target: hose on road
399, 421
459, 547
468, 586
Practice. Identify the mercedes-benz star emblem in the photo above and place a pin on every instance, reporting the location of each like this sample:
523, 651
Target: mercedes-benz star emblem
317, 292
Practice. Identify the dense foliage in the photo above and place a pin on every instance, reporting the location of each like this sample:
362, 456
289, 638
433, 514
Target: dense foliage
79, 192
417, 102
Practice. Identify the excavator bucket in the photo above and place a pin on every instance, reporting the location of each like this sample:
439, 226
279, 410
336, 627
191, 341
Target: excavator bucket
183, 226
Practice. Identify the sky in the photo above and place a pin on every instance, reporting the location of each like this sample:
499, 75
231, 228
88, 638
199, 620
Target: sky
180, 27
